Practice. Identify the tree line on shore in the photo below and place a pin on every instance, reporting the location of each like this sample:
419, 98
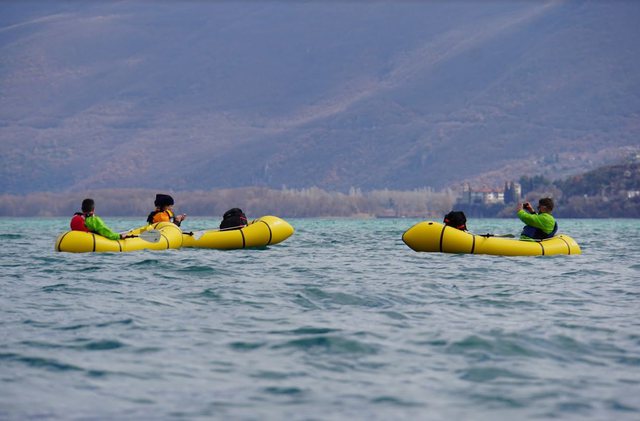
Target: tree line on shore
255, 201
608, 192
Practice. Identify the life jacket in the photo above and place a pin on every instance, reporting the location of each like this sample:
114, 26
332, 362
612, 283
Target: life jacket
537, 233
157, 216
77, 222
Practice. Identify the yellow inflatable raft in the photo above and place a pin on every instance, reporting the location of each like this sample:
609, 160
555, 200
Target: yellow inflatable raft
169, 237
261, 232
435, 237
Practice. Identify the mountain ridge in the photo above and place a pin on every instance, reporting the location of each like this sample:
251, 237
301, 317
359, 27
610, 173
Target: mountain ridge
227, 95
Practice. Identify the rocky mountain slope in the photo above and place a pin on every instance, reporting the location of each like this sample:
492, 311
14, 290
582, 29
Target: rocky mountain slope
202, 95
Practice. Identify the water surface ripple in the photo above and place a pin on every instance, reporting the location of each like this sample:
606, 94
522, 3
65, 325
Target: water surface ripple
340, 321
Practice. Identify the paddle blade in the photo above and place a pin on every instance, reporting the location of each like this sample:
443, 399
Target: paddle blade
196, 234
152, 236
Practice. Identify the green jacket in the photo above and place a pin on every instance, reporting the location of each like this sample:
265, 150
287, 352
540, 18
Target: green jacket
545, 221
95, 224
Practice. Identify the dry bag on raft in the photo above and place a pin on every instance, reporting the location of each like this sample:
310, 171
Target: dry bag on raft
233, 219
456, 219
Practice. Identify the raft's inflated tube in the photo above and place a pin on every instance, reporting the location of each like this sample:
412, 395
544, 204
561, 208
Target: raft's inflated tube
83, 242
264, 231
432, 236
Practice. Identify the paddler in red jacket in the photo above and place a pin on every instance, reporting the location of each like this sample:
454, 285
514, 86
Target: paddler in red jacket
87, 221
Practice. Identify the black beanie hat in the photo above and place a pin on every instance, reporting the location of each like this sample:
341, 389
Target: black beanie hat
163, 200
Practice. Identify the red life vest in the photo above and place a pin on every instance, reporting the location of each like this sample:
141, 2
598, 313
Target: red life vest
77, 222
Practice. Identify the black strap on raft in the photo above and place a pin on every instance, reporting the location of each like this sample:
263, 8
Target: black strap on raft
568, 246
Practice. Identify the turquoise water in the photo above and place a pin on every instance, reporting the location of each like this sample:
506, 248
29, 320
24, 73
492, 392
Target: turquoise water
340, 321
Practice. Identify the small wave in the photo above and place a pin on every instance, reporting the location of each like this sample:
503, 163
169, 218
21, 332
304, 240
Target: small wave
148, 350
305, 303
88, 345
47, 259
618, 406
36, 323
474, 344
104, 345
394, 315
115, 322
343, 298
209, 293
103, 324
483, 374
289, 391
38, 362
204, 296
497, 401
331, 344
307, 330
276, 375
146, 263
392, 400
587, 273
89, 269
157, 302
632, 361
11, 236
246, 346
53, 287
198, 269
574, 407
64, 288
490, 347
556, 347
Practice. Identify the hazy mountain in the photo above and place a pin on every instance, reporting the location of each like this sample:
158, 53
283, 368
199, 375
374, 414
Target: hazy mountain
194, 94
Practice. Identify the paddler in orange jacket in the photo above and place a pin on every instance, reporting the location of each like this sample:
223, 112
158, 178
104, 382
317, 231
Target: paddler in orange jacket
164, 211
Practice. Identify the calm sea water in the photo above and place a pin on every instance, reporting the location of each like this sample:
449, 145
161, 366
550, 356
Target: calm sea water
341, 321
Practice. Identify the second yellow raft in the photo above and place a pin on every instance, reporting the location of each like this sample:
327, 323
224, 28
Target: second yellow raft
261, 232
432, 236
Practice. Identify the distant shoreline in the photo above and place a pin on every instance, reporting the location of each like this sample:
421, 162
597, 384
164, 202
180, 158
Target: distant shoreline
302, 203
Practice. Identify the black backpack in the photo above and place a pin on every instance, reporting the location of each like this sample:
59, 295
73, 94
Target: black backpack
233, 219
456, 219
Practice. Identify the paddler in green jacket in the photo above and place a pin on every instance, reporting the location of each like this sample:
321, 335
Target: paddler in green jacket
88, 221
539, 225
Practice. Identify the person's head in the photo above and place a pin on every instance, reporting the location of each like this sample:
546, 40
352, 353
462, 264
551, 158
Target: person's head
163, 201
545, 204
88, 206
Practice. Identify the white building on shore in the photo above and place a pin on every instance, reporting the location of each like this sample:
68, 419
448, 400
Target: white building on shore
511, 193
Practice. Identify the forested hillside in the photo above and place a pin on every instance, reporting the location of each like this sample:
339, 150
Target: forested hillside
609, 191
612, 191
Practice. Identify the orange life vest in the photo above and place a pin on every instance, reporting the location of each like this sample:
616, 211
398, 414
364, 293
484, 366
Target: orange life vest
160, 216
